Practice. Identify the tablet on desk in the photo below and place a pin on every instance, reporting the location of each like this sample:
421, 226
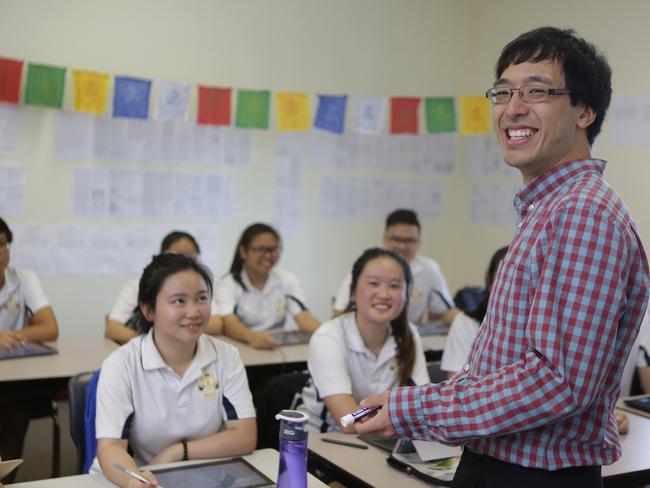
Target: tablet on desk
290, 337
230, 473
639, 403
432, 328
29, 350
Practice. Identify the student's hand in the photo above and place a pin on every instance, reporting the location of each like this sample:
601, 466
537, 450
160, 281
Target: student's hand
379, 423
621, 421
10, 339
169, 455
133, 483
262, 340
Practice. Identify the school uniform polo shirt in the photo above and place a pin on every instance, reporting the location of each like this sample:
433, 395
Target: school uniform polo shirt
140, 398
340, 363
21, 296
282, 298
429, 294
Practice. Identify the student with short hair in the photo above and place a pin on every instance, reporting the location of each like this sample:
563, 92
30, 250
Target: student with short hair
25, 315
172, 393
256, 297
370, 348
119, 324
430, 298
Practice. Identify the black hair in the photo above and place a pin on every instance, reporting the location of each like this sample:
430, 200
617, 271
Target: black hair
154, 275
402, 216
176, 235
479, 312
400, 329
4, 229
250, 233
586, 71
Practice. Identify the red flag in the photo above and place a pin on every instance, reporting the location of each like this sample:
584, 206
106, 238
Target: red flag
404, 115
214, 105
10, 72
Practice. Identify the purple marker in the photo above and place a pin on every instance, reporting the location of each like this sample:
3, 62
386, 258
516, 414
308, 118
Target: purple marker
357, 415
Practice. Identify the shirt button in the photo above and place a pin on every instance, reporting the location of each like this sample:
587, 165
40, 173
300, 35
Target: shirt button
531, 207
466, 367
520, 224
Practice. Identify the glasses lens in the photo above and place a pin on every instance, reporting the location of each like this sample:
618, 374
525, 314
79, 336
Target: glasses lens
533, 93
499, 95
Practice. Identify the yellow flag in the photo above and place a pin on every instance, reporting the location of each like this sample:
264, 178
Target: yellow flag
90, 91
474, 115
293, 111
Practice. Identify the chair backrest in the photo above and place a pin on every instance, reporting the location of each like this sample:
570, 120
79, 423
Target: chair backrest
77, 393
435, 373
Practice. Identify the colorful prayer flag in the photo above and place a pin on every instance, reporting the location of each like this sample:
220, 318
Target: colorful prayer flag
253, 109
369, 114
10, 74
404, 115
292, 110
173, 100
131, 98
474, 115
90, 91
214, 105
331, 113
44, 85
441, 115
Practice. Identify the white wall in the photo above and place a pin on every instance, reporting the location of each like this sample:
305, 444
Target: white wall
358, 47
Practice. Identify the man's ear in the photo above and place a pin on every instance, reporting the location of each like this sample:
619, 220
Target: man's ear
586, 116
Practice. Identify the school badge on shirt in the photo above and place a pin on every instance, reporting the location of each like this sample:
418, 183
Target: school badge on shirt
208, 384
11, 305
280, 306
416, 294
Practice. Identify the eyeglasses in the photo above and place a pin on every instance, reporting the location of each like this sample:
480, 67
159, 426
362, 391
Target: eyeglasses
409, 241
527, 93
265, 249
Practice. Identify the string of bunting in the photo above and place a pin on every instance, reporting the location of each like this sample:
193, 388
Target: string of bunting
44, 86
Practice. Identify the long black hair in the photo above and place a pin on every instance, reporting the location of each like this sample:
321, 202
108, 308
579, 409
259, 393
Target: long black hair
400, 329
154, 275
176, 235
250, 233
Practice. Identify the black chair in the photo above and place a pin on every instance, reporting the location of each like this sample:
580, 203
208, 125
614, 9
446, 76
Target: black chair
77, 393
435, 373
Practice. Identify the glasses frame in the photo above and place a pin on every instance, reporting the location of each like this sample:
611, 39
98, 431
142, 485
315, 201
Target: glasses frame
491, 96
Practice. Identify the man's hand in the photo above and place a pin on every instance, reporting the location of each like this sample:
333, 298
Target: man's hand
379, 423
621, 421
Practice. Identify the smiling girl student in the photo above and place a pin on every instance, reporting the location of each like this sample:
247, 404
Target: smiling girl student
368, 349
120, 322
255, 296
172, 393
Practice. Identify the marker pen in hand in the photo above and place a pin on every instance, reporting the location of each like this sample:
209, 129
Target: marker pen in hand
357, 415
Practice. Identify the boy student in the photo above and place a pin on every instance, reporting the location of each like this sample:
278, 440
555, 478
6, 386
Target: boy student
534, 405
430, 299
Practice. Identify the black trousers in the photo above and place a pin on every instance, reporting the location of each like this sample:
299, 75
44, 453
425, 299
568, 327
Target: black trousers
479, 471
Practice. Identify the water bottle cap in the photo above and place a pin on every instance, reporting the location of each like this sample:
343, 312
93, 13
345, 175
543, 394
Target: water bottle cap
292, 416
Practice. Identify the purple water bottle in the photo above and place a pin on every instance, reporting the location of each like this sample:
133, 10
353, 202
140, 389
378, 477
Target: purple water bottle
293, 449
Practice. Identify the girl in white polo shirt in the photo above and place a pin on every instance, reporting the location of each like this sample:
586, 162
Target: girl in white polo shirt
173, 393
371, 348
255, 296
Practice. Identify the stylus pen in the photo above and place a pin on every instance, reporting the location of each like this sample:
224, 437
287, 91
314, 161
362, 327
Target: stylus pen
343, 443
132, 474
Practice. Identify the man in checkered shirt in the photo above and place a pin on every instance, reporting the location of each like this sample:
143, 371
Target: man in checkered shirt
534, 406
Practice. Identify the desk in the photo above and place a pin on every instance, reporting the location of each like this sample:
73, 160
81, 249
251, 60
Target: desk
369, 467
266, 460
74, 356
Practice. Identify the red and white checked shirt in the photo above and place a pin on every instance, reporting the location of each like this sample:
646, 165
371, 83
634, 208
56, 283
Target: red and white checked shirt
566, 305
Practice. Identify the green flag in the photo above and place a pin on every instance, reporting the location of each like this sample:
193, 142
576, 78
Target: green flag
253, 109
45, 85
441, 115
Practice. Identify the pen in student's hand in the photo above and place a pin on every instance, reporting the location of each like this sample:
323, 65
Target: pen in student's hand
132, 474
344, 443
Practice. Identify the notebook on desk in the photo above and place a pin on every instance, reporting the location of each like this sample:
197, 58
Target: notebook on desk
30, 349
290, 337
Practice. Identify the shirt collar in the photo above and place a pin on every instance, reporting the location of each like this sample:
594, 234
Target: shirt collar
10, 285
551, 180
271, 281
206, 353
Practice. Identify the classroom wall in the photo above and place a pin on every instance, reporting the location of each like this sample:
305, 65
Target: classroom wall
361, 47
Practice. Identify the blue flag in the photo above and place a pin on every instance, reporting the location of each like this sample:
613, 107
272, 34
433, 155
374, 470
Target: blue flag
331, 113
131, 97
